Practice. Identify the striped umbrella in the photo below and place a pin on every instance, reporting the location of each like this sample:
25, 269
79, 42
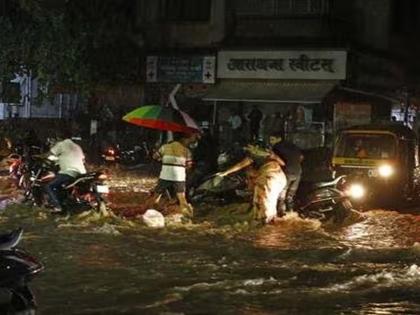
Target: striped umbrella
162, 118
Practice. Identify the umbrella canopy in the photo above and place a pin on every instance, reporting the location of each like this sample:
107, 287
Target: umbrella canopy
162, 118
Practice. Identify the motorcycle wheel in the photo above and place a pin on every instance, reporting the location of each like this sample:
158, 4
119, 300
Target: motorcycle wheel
37, 196
99, 204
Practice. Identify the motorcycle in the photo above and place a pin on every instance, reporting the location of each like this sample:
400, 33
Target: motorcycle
111, 155
138, 154
115, 155
16, 167
87, 191
17, 269
324, 201
41, 170
20, 164
203, 174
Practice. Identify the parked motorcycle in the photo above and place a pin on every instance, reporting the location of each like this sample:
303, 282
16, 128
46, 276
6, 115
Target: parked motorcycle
21, 163
114, 154
136, 155
16, 167
40, 171
17, 269
111, 155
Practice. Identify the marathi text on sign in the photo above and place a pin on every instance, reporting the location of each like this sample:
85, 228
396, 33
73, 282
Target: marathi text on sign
303, 63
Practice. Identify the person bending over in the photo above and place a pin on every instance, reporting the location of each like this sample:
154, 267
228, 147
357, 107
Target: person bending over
269, 181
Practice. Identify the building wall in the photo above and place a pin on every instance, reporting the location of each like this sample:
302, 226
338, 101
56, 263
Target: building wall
182, 34
373, 17
367, 22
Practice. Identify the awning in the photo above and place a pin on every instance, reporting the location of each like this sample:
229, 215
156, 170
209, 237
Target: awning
283, 91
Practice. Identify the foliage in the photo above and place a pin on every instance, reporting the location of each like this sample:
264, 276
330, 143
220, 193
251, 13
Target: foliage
69, 43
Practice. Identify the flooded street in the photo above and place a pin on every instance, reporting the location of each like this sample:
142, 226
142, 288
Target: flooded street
292, 267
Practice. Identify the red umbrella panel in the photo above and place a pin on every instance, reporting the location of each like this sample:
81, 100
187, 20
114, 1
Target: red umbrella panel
162, 118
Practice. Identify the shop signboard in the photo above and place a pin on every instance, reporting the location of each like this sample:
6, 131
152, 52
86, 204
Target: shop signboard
184, 69
351, 114
283, 64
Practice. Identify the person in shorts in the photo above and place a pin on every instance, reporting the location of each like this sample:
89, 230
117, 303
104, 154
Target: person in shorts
175, 157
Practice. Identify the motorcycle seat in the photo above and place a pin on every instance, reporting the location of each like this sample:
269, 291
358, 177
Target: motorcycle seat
82, 178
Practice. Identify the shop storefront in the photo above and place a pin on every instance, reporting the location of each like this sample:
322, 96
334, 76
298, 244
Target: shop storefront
285, 88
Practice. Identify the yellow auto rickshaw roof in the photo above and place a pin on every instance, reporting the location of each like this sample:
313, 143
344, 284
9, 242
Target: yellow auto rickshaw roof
396, 129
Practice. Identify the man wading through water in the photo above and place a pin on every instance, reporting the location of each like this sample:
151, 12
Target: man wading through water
292, 156
175, 157
269, 181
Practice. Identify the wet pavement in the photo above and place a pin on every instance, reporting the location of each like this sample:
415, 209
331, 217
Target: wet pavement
296, 266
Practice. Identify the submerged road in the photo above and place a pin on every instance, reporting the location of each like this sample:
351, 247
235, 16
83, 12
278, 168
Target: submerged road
293, 267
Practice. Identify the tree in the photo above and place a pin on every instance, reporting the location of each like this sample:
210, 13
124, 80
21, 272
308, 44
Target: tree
76, 44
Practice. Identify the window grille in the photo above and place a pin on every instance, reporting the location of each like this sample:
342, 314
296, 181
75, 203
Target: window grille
185, 10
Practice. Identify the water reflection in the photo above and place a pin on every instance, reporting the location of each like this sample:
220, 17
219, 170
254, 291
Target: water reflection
295, 266
293, 232
98, 255
383, 229
389, 308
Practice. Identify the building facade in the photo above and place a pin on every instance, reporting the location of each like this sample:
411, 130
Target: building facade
252, 35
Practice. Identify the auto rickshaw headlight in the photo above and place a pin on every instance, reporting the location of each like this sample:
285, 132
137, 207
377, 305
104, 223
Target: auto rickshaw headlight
356, 191
385, 170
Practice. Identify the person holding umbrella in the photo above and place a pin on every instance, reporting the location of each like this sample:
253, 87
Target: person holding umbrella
176, 158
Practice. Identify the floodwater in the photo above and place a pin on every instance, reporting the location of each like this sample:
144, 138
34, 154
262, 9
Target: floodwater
292, 267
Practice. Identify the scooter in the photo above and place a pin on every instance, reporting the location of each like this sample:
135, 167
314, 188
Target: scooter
17, 269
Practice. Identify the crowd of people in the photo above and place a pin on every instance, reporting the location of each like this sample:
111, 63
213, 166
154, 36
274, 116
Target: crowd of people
274, 168
274, 171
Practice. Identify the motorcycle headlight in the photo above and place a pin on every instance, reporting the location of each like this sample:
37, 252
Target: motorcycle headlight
385, 170
356, 191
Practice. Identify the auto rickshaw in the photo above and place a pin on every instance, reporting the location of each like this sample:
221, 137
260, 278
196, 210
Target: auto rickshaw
380, 161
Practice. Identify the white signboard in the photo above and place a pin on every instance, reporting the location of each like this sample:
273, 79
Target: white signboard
285, 64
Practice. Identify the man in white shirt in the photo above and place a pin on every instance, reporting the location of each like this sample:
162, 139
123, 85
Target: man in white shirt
71, 162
